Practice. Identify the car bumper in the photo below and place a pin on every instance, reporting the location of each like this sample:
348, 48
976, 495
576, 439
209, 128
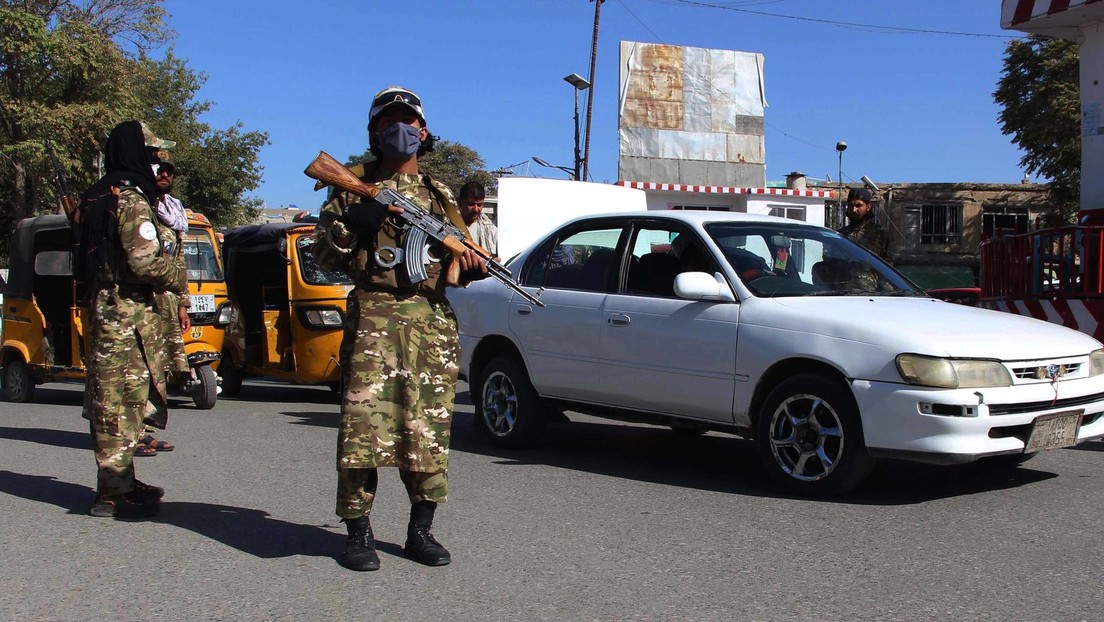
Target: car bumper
995, 421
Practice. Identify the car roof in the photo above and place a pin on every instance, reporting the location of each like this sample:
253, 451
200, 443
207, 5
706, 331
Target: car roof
697, 217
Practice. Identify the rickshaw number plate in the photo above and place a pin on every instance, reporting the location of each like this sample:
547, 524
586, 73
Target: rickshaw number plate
1054, 431
203, 304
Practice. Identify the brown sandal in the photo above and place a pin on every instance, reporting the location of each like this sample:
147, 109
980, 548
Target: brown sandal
155, 444
142, 450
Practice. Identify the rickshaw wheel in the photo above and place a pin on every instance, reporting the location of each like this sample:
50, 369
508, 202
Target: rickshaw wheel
231, 376
205, 390
19, 385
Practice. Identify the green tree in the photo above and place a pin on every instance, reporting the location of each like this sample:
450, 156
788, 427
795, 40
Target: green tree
450, 163
70, 70
215, 168
1039, 92
62, 76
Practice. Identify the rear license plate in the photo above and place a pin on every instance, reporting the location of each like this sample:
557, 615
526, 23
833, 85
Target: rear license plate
203, 304
1054, 431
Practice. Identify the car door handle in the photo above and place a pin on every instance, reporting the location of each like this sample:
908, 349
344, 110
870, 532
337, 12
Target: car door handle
618, 319
523, 309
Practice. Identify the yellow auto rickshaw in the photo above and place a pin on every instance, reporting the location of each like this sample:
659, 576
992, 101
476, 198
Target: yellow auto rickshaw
287, 313
209, 311
44, 322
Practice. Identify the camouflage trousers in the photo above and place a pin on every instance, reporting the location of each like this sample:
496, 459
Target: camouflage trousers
168, 305
400, 361
119, 386
356, 489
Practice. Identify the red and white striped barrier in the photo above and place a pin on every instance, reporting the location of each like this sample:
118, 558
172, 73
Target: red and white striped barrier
651, 185
1078, 314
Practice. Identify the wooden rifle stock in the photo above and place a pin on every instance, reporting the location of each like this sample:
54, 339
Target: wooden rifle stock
332, 173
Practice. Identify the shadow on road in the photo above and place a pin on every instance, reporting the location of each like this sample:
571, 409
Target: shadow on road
322, 419
265, 391
247, 530
723, 463
60, 393
251, 531
55, 438
1090, 446
45, 489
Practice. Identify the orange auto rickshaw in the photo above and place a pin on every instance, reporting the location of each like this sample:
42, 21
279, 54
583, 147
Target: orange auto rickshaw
287, 313
44, 323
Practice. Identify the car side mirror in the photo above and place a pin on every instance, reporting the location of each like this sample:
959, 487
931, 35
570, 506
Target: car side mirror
703, 286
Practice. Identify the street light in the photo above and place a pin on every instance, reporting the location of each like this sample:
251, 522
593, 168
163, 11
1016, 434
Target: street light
570, 173
580, 84
841, 146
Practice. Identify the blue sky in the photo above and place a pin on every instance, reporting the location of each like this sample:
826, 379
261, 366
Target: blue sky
911, 106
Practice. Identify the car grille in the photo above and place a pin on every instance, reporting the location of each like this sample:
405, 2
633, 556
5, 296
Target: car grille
1033, 372
1027, 407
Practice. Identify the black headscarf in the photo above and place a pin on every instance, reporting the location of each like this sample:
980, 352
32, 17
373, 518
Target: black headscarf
127, 160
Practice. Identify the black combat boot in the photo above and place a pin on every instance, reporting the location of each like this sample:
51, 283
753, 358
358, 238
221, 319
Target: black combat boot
421, 546
130, 505
360, 546
147, 492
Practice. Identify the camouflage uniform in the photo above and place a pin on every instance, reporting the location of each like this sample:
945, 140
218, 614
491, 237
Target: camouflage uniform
169, 302
399, 357
127, 367
870, 235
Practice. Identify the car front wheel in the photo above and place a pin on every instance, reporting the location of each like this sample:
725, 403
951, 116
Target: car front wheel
810, 437
508, 408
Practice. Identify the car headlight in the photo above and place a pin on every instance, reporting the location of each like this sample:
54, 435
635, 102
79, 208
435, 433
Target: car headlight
1096, 362
321, 318
930, 371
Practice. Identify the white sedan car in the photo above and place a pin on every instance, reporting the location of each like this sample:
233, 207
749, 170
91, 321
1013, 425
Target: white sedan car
774, 330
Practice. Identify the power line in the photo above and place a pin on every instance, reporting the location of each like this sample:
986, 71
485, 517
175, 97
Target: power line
841, 24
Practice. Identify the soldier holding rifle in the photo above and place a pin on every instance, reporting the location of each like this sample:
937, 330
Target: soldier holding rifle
400, 352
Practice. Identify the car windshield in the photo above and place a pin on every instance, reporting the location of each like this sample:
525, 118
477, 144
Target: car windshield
314, 273
783, 260
200, 259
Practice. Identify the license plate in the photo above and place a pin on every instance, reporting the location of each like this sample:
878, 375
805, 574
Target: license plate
1054, 431
203, 304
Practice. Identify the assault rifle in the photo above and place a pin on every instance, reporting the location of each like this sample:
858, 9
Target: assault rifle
69, 199
421, 224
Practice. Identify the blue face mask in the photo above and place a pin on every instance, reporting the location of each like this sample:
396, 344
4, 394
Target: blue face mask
400, 141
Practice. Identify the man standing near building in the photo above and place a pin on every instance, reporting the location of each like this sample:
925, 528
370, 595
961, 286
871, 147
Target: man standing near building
400, 351
483, 231
861, 227
123, 264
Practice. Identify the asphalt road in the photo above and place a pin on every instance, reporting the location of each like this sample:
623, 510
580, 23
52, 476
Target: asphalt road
606, 521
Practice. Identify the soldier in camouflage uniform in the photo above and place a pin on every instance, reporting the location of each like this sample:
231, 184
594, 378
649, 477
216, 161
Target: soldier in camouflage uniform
122, 261
861, 227
173, 308
400, 350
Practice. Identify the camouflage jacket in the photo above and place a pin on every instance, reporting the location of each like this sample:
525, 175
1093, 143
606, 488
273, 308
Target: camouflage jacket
126, 306
358, 258
871, 235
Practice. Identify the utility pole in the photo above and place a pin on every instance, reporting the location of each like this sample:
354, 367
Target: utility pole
590, 93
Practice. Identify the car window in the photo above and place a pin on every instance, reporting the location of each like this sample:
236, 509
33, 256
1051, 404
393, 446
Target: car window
582, 260
660, 252
794, 260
